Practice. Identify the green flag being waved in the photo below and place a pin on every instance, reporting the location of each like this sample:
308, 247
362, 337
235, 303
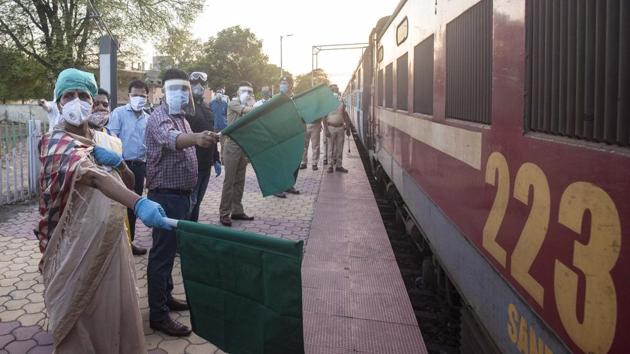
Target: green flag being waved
244, 290
272, 135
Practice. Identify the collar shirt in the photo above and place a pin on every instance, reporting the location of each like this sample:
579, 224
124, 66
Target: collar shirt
219, 111
130, 129
168, 167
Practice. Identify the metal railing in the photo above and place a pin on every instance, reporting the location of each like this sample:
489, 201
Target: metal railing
19, 160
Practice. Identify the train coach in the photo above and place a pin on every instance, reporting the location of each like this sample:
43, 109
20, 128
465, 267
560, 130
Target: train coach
504, 126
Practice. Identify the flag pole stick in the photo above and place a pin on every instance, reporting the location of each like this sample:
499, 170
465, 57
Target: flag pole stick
172, 222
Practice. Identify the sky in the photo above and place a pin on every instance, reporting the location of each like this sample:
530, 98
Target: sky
311, 23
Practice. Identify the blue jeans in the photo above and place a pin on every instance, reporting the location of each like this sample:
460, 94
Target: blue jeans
139, 170
162, 254
198, 193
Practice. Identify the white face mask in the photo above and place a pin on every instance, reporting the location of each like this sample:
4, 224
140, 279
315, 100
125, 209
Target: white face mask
137, 103
76, 112
99, 119
244, 97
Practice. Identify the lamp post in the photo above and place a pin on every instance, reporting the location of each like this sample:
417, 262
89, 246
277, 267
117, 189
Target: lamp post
281, 37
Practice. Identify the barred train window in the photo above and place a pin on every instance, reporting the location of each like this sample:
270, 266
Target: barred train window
402, 77
379, 92
469, 64
578, 69
389, 86
423, 76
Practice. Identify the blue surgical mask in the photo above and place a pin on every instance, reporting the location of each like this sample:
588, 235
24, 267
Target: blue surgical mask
284, 88
175, 100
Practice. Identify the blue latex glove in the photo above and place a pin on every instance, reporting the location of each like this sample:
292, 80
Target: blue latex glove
106, 157
151, 213
217, 168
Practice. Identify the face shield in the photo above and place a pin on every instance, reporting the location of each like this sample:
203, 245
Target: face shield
178, 96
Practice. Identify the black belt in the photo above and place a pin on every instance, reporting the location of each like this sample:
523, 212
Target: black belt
135, 162
336, 125
170, 191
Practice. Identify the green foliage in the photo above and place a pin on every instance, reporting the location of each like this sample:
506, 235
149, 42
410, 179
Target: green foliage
235, 54
22, 77
182, 47
64, 33
303, 82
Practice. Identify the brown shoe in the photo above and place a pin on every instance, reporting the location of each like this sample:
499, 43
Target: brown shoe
171, 327
303, 166
341, 169
242, 217
315, 168
330, 169
225, 220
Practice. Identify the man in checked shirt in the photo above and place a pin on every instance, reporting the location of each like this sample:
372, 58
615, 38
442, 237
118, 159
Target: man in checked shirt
171, 176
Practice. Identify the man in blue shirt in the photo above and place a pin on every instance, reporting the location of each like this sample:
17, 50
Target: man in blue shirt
219, 106
129, 123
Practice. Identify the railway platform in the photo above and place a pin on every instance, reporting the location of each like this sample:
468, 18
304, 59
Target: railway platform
354, 299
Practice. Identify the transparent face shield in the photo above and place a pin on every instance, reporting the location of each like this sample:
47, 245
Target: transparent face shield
178, 97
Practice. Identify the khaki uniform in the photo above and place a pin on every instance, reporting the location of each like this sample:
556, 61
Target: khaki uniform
312, 136
235, 162
336, 127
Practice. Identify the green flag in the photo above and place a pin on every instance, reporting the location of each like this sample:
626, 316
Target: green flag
272, 135
244, 289
316, 103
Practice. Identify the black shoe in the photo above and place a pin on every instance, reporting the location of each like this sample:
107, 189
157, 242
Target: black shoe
177, 305
341, 169
325, 162
315, 168
292, 190
280, 195
242, 217
330, 169
225, 220
303, 166
138, 251
171, 327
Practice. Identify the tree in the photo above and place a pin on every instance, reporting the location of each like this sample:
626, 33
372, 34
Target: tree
235, 54
180, 45
22, 77
303, 82
63, 33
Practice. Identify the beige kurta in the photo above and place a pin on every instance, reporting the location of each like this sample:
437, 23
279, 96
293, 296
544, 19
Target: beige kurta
89, 276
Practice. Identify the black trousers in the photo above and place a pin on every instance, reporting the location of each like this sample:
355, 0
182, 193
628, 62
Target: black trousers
139, 169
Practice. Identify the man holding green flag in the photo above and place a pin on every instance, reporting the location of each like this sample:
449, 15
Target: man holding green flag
235, 161
272, 135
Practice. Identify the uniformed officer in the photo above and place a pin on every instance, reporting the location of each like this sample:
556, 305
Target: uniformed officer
312, 137
335, 124
285, 86
235, 160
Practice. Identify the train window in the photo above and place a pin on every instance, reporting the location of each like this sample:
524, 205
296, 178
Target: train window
578, 67
402, 31
423, 76
469, 64
379, 96
402, 79
389, 86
